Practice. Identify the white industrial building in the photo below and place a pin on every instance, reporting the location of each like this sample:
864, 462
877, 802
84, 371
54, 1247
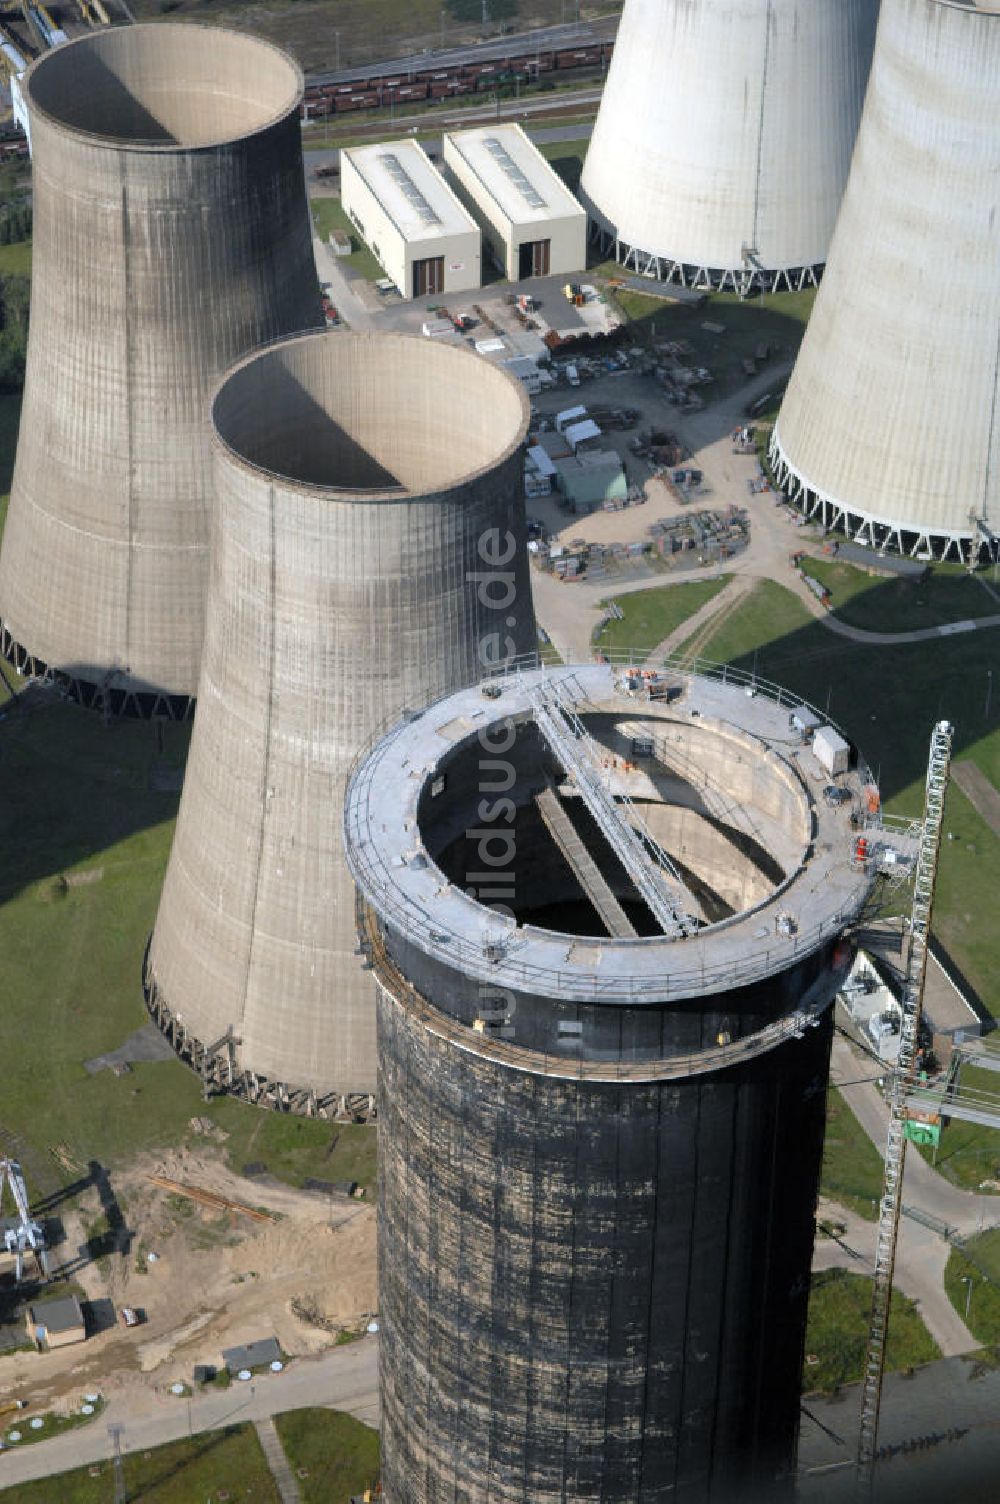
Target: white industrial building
724, 137
532, 224
410, 219
890, 428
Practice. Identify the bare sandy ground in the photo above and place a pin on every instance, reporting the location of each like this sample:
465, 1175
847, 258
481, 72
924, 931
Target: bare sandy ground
218, 1279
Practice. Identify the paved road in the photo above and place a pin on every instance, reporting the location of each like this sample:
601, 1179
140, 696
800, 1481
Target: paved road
923, 1187
921, 1253
345, 1378
345, 299
920, 1260
923, 634
952, 1393
424, 126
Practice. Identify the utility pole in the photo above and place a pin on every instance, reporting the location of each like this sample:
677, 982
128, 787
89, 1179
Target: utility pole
336, 36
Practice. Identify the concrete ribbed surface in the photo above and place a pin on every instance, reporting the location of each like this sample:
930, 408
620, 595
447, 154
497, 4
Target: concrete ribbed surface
891, 413
171, 236
338, 599
729, 124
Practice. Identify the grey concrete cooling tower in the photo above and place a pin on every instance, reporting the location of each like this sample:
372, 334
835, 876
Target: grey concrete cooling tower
171, 236
368, 555
598, 1157
724, 137
890, 428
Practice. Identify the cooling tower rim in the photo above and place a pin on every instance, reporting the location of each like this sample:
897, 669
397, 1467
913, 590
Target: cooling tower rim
428, 350
506, 1055
403, 884
93, 40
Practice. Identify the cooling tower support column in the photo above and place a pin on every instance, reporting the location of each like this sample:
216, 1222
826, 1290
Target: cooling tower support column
724, 138
171, 236
890, 428
368, 555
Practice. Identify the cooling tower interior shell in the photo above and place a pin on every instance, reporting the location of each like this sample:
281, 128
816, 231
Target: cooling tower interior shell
368, 556
598, 1158
171, 236
890, 427
725, 127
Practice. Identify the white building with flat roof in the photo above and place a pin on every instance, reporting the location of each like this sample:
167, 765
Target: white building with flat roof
410, 219
533, 225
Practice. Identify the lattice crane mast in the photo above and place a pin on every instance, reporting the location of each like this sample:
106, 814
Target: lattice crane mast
25, 1232
938, 768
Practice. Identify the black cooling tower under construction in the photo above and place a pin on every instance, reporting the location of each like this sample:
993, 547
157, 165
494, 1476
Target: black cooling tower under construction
600, 1136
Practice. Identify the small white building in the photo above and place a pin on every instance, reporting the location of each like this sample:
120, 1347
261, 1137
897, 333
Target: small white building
410, 219
533, 225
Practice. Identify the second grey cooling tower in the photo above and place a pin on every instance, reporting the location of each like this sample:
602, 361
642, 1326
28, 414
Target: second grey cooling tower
368, 556
171, 236
724, 137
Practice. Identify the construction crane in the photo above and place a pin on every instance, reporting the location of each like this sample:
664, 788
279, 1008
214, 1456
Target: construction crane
902, 1082
23, 1232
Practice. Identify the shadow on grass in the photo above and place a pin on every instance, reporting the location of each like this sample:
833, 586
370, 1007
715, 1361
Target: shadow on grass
887, 697
72, 788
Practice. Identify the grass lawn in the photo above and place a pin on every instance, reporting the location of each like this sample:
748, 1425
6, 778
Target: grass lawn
978, 1261
852, 1166
86, 844
53, 1423
837, 1332
328, 215
880, 605
217, 1464
768, 614
887, 701
338, 1454
567, 158
779, 319
15, 259
968, 1153
648, 616
295, 1148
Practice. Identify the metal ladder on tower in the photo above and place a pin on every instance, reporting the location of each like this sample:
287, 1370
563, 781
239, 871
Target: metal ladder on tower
647, 864
938, 767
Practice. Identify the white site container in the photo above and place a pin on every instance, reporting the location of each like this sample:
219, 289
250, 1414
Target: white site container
831, 751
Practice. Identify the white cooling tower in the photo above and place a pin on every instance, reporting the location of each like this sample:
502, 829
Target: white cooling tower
724, 137
890, 428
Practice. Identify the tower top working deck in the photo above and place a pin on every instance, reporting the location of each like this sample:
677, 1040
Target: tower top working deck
733, 758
